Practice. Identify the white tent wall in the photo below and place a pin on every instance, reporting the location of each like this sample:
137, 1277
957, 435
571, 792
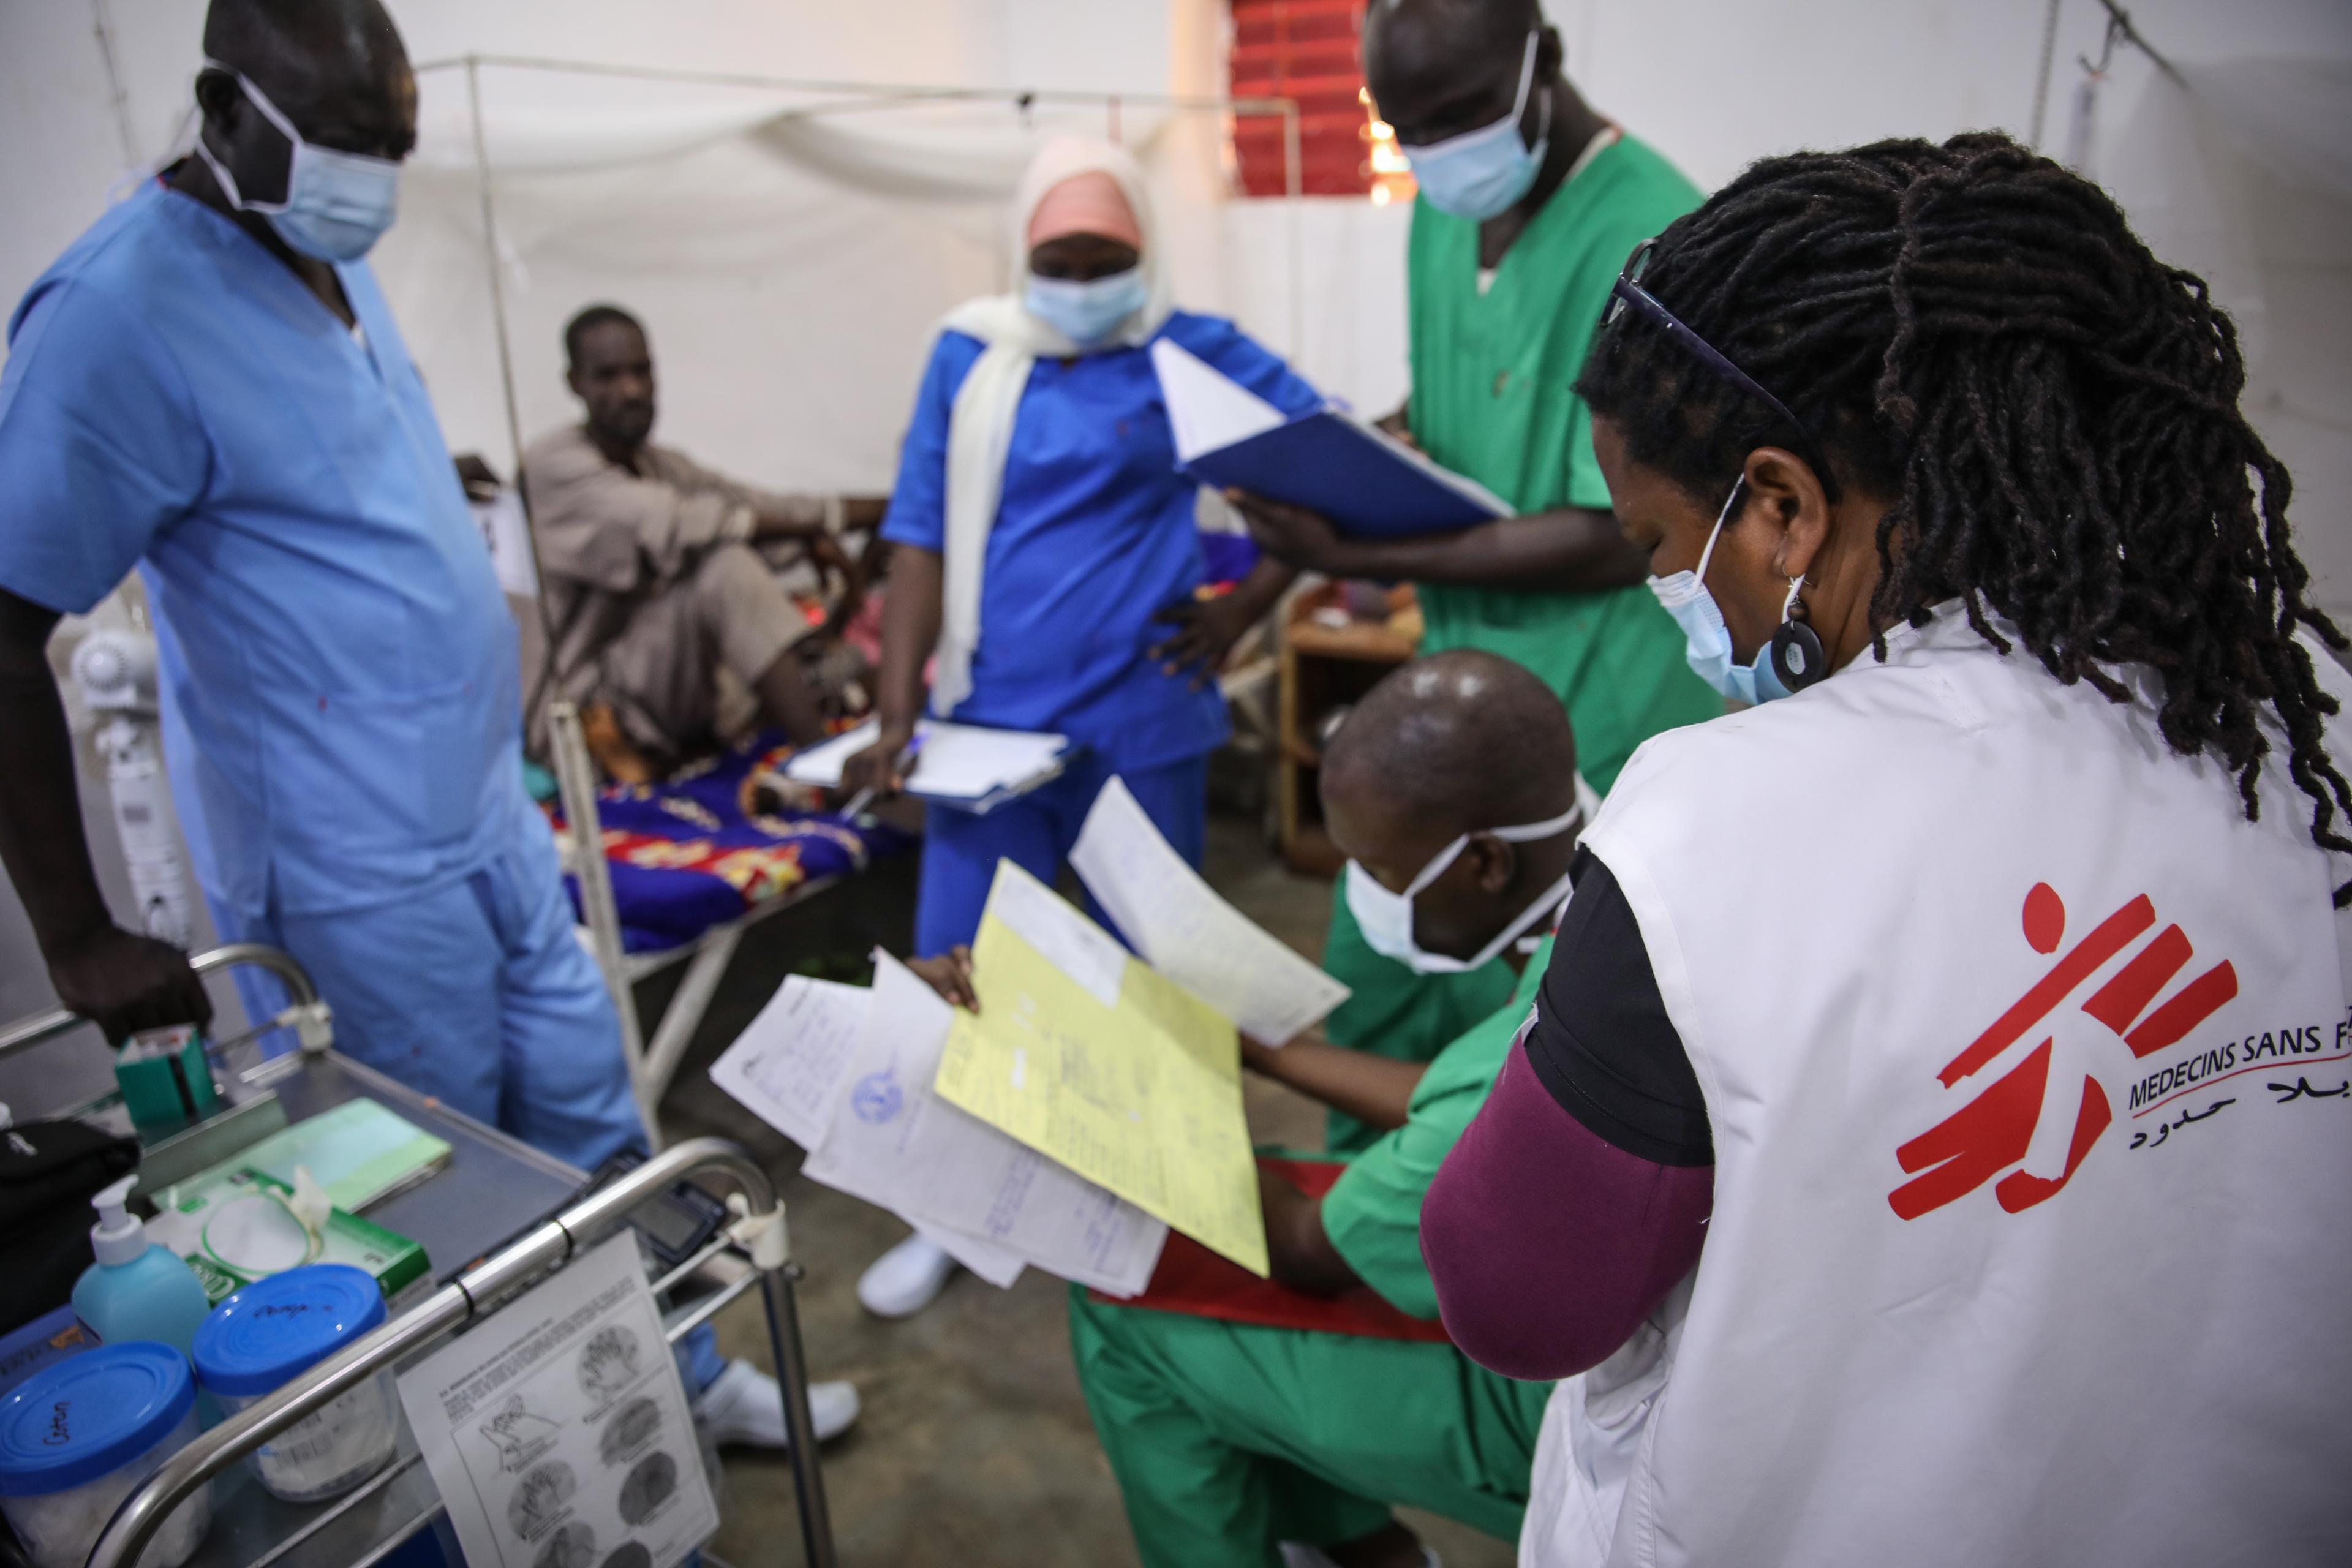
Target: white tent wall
790, 270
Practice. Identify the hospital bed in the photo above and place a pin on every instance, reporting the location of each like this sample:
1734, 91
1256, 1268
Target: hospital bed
498, 1216
630, 945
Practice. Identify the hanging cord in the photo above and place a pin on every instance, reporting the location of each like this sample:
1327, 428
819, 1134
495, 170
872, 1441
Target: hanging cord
117, 100
2119, 25
2082, 132
2042, 73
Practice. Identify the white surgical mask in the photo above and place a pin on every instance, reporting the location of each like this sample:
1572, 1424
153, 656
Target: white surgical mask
1706, 639
337, 203
1386, 918
1087, 312
1481, 173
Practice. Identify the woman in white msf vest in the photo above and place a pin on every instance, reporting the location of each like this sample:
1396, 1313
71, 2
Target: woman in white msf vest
1931, 1140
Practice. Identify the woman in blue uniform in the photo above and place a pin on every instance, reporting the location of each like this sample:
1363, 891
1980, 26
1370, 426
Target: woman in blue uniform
1047, 557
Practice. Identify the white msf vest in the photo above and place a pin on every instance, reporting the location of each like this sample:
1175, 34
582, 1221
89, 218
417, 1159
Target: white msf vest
2030, 1070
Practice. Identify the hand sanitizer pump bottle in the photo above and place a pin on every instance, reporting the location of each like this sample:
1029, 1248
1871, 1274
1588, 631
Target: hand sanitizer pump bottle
136, 1290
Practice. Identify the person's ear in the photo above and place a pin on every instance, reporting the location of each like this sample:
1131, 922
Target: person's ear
221, 102
1492, 862
572, 380
1551, 55
1783, 489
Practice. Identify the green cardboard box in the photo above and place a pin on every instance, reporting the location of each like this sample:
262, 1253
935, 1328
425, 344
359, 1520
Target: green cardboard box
233, 1229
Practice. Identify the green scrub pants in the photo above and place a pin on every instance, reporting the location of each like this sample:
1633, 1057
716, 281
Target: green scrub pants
1228, 1438
1394, 1011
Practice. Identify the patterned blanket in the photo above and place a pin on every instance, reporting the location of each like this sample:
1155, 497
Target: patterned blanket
684, 857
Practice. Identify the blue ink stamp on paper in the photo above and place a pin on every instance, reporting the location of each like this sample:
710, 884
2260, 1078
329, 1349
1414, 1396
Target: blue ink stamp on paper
878, 1097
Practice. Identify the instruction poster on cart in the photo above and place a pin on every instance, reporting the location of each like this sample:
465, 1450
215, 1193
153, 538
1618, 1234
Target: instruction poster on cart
558, 1431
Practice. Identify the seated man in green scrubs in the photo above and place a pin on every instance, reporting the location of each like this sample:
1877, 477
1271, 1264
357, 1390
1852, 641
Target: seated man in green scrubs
1531, 203
1230, 1439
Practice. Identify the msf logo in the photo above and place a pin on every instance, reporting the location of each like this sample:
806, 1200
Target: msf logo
2023, 1118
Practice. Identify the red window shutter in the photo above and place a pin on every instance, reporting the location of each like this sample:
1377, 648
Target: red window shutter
1305, 50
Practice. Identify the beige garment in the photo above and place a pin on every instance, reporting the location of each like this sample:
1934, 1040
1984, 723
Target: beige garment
651, 586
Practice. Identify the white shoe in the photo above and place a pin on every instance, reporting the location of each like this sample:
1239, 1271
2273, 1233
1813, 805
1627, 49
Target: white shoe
745, 1407
905, 1279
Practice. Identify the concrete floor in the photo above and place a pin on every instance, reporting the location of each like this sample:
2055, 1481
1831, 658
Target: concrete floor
974, 1448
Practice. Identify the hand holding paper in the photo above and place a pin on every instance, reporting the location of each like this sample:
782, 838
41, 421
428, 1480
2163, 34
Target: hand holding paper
979, 1194
1138, 1090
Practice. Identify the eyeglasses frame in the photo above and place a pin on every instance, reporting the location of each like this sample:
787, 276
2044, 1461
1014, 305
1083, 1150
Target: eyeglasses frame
1628, 293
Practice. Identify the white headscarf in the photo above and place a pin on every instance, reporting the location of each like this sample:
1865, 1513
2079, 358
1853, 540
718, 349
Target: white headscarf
980, 426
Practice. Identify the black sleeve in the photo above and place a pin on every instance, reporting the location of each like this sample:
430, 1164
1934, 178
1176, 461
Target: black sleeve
1602, 1042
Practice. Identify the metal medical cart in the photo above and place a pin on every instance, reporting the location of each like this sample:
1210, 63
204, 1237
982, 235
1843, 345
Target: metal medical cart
498, 1216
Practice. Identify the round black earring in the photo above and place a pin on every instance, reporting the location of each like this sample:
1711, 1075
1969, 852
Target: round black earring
1797, 656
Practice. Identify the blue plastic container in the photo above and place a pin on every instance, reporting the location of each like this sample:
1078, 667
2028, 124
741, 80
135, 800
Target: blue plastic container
77, 1437
274, 1331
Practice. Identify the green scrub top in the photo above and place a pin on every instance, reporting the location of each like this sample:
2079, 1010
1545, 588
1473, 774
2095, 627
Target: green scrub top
1392, 1011
1493, 379
1372, 1214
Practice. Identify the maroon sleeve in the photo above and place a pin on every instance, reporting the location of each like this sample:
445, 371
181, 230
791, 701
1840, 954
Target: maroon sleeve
1549, 1246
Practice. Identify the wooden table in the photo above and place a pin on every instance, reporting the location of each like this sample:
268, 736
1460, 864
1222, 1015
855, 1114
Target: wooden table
1323, 668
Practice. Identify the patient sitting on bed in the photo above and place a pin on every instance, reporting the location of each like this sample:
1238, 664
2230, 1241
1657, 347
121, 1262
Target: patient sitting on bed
652, 579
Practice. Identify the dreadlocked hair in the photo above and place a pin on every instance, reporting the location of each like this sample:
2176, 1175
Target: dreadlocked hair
1978, 334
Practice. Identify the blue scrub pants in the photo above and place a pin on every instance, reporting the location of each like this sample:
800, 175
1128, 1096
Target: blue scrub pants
476, 992
1036, 831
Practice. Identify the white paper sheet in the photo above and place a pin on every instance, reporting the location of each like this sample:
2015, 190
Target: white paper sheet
1207, 408
558, 1431
507, 534
1066, 939
957, 762
893, 1144
1000, 1266
790, 1065
1184, 929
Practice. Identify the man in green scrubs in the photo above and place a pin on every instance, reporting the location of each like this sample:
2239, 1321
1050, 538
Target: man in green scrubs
1229, 1439
1531, 203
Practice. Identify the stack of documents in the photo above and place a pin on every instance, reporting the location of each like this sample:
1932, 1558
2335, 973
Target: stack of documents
1093, 1100
848, 1074
1331, 461
963, 765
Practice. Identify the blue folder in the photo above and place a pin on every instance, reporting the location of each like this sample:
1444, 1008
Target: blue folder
1329, 461
1368, 484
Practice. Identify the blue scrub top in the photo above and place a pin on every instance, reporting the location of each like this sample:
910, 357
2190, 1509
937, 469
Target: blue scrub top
1094, 535
340, 678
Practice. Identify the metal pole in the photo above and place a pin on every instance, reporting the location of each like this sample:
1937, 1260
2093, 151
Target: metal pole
910, 92
491, 258
506, 351
2042, 73
142, 1514
1294, 186
575, 783
116, 99
791, 1373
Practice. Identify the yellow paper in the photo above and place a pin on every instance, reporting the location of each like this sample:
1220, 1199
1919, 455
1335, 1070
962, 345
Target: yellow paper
1143, 1098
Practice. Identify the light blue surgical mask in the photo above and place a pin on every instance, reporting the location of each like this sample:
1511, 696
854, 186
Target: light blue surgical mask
1386, 918
1706, 639
1087, 312
337, 203
1481, 173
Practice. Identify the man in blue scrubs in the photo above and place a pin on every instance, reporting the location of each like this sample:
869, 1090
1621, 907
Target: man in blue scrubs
208, 385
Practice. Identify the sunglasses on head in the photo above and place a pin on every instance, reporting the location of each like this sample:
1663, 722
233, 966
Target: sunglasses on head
1627, 293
